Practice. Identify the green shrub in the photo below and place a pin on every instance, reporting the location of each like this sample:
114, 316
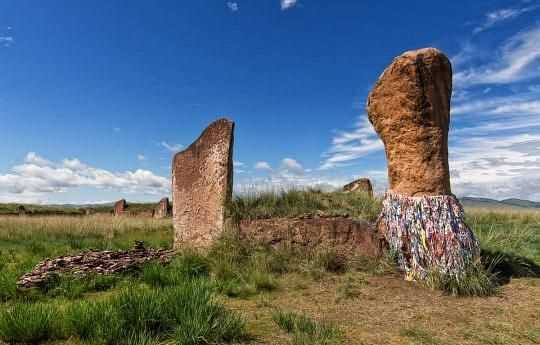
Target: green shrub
28, 323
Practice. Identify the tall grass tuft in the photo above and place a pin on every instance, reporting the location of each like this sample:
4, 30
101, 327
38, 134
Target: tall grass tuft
306, 331
297, 202
91, 320
28, 323
186, 312
240, 268
475, 281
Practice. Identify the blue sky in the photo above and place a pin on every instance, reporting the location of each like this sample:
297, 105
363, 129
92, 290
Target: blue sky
96, 96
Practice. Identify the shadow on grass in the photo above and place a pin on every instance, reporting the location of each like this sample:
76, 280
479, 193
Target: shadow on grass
507, 266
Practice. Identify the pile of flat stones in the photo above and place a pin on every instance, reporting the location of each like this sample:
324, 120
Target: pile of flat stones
93, 262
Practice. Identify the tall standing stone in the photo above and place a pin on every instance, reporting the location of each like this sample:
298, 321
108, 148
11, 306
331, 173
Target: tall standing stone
409, 107
120, 207
162, 208
423, 222
202, 185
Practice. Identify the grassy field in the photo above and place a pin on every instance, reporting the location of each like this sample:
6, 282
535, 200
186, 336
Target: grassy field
12, 209
241, 293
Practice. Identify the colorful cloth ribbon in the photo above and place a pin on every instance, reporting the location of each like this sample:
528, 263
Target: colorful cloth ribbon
428, 233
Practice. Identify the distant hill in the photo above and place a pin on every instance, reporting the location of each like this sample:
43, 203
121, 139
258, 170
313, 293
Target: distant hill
492, 203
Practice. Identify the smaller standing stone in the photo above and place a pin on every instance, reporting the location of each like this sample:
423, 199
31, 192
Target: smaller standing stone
360, 185
21, 210
162, 209
120, 207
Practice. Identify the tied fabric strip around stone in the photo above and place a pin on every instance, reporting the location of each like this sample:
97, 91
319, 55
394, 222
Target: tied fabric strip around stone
428, 233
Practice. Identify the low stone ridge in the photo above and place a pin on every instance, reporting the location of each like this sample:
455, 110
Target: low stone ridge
162, 209
409, 107
360, 185
344, 235
202, 185
120, 207
97, 262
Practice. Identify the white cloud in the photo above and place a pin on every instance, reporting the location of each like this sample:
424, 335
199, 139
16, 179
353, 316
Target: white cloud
39, 176
482, 104
495, 17
289, 165
35, 159
498, 167
6, 41
73, 164
262, 165
238, 164
351, 145
141, 157
287, 4
172, 147
516, 60
233, 6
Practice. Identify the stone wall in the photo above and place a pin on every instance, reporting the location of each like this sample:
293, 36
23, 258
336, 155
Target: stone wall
346, 236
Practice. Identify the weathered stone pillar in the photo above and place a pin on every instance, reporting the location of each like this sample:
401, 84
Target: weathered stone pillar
120, 207
202, 185
21, 210
422, 221
162, 209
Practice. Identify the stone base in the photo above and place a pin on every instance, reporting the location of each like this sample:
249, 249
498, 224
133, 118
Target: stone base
428, 233
345, 236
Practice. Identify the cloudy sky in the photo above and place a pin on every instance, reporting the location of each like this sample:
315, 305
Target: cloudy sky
96, 96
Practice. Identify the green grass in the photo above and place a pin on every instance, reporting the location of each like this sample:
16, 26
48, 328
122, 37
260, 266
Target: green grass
45, 210
186, 313
510, 232
419, 336
191, 290
28, 323
296, 202
305, 331
477, 280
